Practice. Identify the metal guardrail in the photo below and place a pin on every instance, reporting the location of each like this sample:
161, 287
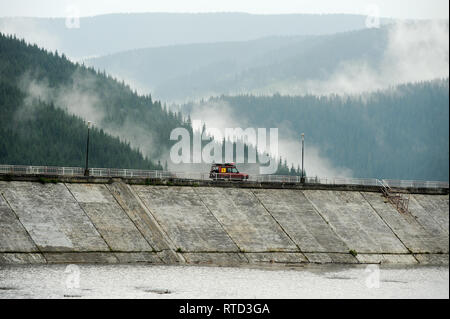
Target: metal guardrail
131, 173
41, 170
416, 184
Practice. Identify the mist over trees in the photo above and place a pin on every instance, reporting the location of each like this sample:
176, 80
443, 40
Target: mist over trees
373, 102
349, 62
51, 137
35, 130
400, 133
192, 71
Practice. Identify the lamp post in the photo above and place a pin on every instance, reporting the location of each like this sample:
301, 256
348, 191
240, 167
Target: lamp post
303, 159
86, 171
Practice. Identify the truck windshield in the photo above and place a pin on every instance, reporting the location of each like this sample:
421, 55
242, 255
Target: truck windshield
234, 170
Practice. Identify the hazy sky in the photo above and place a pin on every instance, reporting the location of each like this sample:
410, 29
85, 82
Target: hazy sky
404, 9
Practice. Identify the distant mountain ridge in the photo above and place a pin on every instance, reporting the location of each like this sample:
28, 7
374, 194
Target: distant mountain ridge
107, 34
154, 69
206, 69
342, 63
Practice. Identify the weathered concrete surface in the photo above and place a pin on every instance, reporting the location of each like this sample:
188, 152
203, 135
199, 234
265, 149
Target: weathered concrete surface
111, 221
406, 227
145, 222
80, 258
299, 219
386, 259
432, 219
21, 258
185, 219
285, 258
327, 258
13, 236
432, 259
437, 208
119, 223
142, 257
354, 220
244, 218
52, 217
224, 259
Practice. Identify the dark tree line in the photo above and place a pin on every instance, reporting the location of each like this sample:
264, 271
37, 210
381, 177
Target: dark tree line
48, 136
42, 133
400, 133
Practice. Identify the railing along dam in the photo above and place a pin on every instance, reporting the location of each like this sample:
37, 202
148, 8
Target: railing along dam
77, 220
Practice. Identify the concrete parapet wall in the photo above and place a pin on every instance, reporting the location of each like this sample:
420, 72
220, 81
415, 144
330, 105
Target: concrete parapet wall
210, 183
109, 221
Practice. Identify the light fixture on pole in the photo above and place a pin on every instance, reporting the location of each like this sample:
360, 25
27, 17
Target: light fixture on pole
86, 170
303, 159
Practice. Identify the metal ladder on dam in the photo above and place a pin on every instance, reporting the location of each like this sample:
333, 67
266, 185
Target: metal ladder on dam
398, 198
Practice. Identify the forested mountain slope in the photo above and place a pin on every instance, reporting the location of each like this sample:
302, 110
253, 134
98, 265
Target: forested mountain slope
400, 133
40, 93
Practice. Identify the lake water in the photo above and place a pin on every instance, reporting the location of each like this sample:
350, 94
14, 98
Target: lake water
191, 282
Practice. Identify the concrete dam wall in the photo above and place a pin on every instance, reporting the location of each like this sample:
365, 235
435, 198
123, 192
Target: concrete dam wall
122, 223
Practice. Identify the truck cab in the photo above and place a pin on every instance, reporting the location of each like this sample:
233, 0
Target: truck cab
227, 171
